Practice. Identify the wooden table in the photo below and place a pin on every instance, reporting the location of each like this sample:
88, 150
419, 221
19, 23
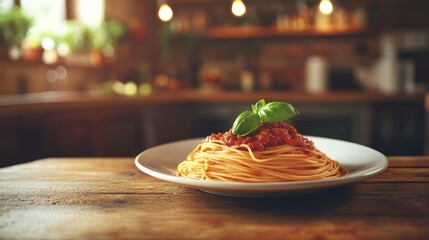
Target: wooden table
105, 198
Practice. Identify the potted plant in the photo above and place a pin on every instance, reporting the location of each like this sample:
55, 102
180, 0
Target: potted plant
77, 38
32, 46
104, 40
14, 25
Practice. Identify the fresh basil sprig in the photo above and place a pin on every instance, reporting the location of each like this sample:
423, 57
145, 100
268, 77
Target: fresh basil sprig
248, 121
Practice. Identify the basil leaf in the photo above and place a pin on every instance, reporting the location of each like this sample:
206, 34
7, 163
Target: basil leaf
258, 105
245, 123
277, 111
248, 121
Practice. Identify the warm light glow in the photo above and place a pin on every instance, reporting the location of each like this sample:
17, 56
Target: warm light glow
14, 53
63, 50
49, 56
238, 8
118, 87
51, 76
61, 72
165, 12
326, 7
130, 88
145, 89
48, 43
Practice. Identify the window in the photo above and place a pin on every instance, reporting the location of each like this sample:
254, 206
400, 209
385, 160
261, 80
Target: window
49, 15
6, 5
90, 12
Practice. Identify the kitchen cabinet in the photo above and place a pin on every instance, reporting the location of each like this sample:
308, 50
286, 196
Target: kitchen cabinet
21, 138
80, 125
93, 133
93, 128
398, 128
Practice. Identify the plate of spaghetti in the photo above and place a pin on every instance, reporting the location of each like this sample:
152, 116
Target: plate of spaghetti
261, 156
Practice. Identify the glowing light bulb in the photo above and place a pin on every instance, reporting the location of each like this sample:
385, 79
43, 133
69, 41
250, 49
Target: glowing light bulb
326, 7
165, 12
130, 88
48, 43
238, 8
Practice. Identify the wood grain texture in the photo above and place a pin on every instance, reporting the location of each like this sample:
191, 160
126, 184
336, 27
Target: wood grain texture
109, 198
408, 161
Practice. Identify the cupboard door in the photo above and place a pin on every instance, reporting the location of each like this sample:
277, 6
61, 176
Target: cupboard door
93, 133
21, 139
116, 135
69, 135
399, 129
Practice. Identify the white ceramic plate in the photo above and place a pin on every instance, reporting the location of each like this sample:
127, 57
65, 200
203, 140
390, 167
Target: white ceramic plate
161, 162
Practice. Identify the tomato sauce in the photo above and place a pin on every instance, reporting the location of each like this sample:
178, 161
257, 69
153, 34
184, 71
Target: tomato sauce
267, 135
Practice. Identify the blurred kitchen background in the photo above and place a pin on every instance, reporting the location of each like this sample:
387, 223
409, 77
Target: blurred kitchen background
112, 78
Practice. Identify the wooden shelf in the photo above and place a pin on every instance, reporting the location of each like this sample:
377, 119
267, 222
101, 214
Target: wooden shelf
47, 101
268, 32
69, 64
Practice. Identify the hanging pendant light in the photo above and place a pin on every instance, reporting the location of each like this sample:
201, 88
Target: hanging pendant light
238, 8
165, 13
326, 7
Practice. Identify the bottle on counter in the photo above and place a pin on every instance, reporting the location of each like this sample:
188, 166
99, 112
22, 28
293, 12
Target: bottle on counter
247, 77
316, 70
387, 67
247, 80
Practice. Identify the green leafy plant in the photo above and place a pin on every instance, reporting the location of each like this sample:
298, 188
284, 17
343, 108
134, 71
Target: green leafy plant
77, 36
14, 25
80, 38
35, 37
250, 120
107, 35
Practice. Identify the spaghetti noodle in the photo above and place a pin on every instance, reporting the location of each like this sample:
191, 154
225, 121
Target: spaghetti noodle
276, 152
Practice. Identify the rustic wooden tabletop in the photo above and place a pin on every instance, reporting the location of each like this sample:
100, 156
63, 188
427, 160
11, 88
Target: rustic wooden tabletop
109, 198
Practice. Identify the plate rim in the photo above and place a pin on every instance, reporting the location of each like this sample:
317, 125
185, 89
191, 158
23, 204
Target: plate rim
373, 168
